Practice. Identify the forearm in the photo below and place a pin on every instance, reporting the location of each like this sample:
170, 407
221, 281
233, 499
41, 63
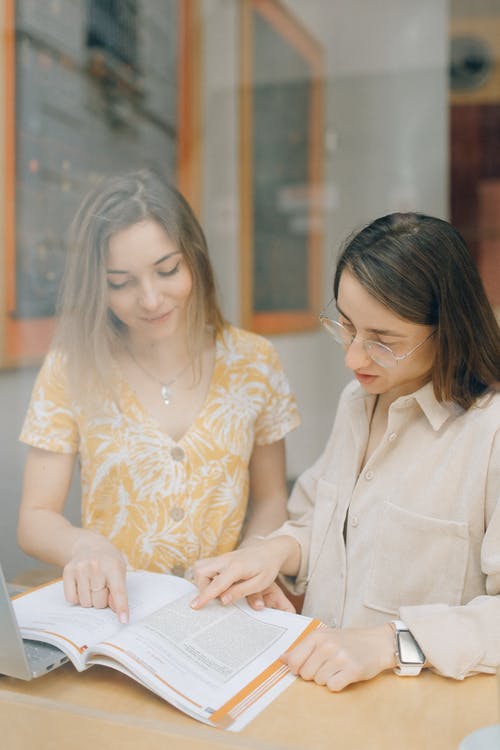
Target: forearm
266, 510
264, 519
457, 641
48, 536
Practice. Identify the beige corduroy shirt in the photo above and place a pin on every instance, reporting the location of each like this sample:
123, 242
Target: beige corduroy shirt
415, 535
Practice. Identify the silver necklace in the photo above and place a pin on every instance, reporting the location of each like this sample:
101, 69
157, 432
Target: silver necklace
165, 391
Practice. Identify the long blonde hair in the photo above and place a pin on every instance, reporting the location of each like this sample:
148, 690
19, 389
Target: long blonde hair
88, 333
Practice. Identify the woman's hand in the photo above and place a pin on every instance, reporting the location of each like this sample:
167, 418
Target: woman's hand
249, 570
93, 569
273, 597
96, 576
336, 657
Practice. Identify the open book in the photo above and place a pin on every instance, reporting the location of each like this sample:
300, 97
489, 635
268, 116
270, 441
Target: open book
219, 664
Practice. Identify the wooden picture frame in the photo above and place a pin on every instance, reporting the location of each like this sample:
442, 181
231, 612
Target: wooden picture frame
281, 152
24, 340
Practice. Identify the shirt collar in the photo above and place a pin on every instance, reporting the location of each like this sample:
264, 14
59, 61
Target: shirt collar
435, 411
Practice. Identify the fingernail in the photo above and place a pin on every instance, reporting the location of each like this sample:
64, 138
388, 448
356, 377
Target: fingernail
194, 603
123, 618
259, 603
225, 599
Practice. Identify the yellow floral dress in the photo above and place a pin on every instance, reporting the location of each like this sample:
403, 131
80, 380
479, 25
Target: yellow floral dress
167, 503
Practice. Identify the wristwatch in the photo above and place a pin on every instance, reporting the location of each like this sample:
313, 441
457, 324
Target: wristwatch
408, 653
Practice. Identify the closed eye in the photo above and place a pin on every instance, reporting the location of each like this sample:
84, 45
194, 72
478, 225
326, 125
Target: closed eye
374, 339
163, 273
170, 271
113, 285
378, 341
347, 324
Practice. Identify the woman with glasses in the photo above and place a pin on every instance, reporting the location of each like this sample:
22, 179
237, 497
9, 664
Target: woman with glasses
394, 533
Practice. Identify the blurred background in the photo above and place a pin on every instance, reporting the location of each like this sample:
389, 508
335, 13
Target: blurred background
287, 124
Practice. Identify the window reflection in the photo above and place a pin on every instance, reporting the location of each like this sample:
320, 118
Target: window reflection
475, 134
96, 93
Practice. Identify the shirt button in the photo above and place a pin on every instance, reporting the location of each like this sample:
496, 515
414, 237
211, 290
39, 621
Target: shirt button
177, 453
368, 475
178, 570
392, 436
176, 513
355, 521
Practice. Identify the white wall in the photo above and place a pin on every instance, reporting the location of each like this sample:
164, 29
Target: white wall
385, 150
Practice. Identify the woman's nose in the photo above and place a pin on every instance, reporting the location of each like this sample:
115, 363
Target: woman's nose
150, 297
356, 355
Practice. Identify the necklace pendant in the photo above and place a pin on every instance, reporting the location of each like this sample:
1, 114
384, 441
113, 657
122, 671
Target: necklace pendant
166, 395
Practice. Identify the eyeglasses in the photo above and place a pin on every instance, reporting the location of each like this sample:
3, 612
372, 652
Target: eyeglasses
380, 353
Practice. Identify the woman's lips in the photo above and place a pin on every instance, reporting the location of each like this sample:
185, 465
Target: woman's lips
157, 318
364, 379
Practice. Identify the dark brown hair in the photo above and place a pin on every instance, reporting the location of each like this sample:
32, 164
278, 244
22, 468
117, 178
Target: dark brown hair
420, 268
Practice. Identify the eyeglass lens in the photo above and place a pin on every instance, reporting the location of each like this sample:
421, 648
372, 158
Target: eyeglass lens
378, 352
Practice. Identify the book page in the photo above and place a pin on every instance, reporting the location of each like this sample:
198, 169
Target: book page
44, 614
217, 642
200, 660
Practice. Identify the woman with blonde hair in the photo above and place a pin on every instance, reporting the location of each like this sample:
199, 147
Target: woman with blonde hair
176, 417
394, 532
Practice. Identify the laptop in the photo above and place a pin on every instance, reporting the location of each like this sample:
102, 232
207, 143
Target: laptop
22, 658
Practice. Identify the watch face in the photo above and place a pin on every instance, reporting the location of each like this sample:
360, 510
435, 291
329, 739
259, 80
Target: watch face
408, 648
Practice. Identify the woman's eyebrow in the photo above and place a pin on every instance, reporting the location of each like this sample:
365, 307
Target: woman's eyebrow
377, 331
165, 257
156, 263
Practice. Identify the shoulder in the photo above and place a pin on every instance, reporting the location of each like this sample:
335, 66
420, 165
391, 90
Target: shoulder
351, 402
477, 425
352, 390
56, 359
246, 344
479, 431
351, 394
53, 369
484, 414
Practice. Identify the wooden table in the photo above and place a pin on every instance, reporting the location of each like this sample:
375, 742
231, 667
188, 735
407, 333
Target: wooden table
104, 709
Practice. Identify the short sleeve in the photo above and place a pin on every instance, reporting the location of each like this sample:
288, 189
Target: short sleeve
279, 414
50, 420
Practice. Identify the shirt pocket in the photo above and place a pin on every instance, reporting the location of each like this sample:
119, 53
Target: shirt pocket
416, 560
324, 511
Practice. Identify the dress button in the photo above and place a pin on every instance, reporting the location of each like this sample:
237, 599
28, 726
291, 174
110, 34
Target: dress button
354, 521
178, 570
176, 513
368, 475
177, 453
392, 436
